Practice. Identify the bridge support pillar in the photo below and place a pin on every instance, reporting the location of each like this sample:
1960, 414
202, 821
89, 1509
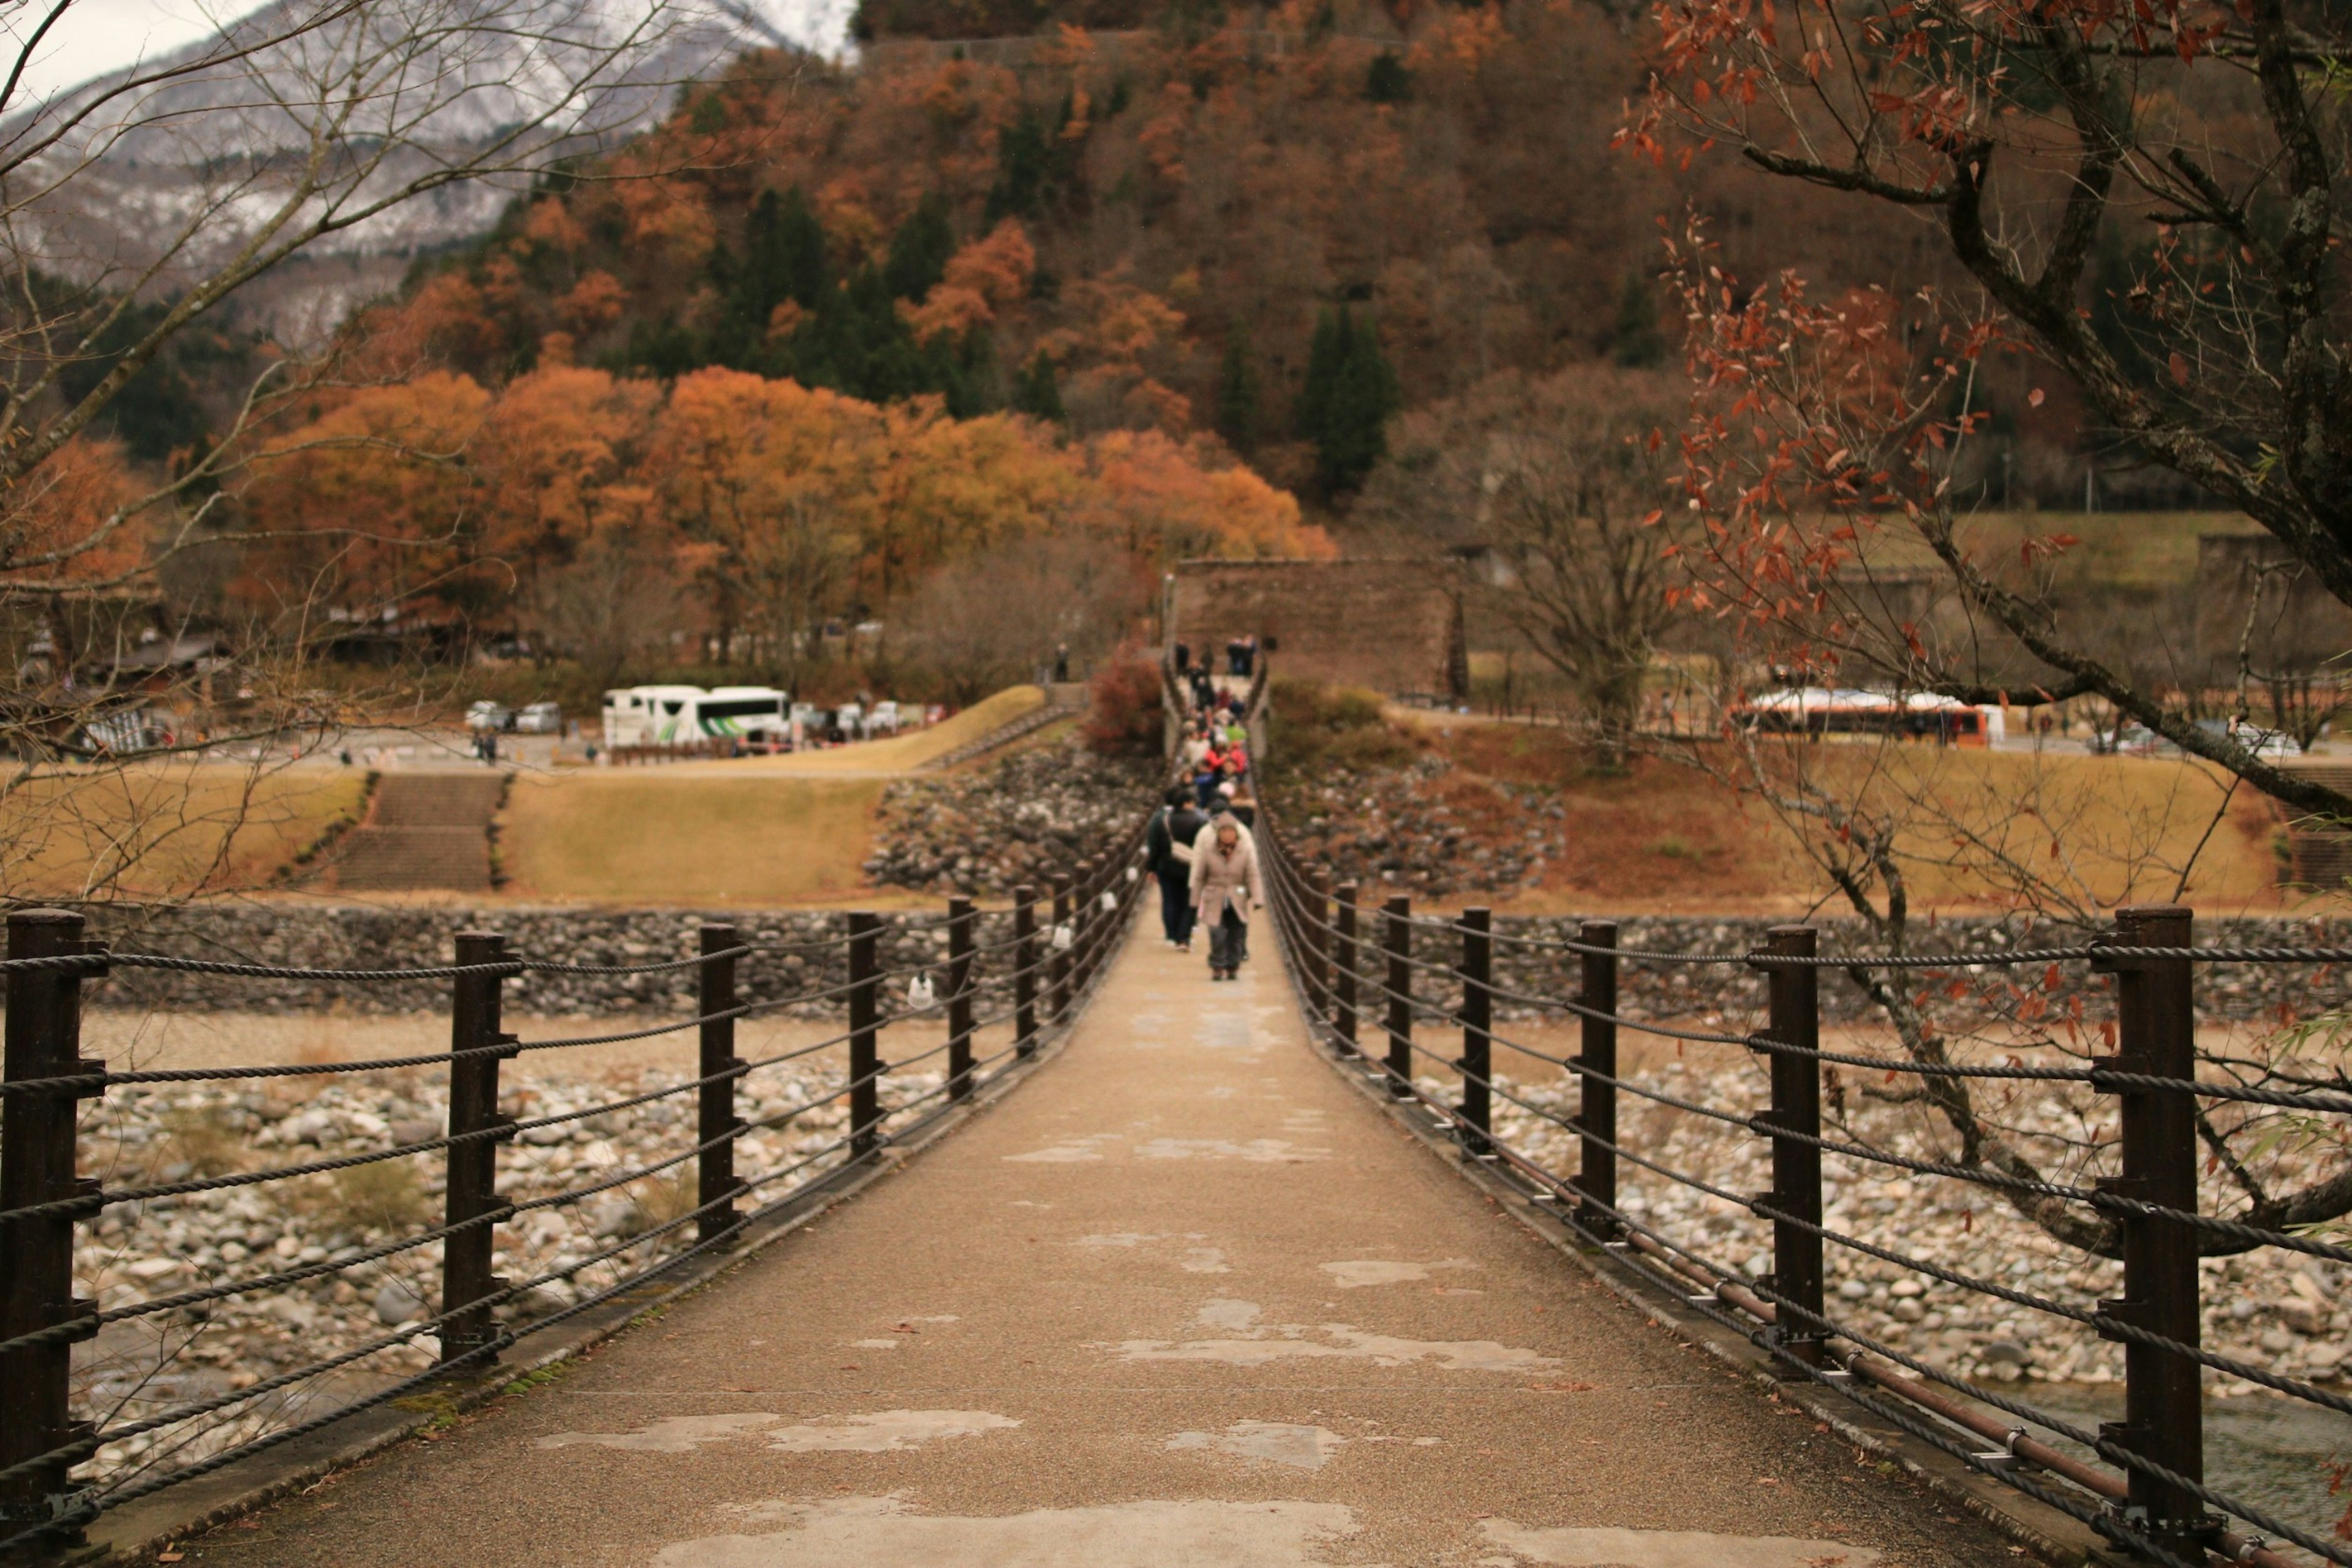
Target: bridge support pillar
475, 1026
1476, 1063
1796, 1194
1351, 963
1396, 940
720, 1070
1596, 1105
2163, 1420
37, 1146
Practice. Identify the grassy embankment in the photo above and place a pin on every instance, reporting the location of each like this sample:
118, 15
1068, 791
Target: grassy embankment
167, 830
768, 832
1668, 837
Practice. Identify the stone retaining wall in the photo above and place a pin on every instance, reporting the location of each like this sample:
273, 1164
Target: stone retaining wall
354, 936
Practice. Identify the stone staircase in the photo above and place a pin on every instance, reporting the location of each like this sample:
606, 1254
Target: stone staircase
424, 830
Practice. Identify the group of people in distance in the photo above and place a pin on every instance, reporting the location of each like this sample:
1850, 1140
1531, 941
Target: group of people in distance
1206, 864
1199, 846
1216, 753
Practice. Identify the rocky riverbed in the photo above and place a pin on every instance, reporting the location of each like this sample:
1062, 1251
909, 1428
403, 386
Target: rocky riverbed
2280, 1312
1027, 819
137, 1136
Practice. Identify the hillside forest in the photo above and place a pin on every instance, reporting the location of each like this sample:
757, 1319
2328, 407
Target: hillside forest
1151, 292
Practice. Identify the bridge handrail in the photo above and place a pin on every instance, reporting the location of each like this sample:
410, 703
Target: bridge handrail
1050, 969
1352, 962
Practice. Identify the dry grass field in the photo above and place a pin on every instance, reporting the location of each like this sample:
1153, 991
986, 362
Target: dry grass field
169, 830
682, 835
1974, 826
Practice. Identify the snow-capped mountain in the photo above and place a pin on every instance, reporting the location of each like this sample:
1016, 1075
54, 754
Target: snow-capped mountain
307, 111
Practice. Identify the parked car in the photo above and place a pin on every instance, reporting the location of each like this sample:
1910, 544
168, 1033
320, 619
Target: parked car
540, 719
491, 716
883, 720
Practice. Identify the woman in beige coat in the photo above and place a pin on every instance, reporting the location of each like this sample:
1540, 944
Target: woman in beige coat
1225, 887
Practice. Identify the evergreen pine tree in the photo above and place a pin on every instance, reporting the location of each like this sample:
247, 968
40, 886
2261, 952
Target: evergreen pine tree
1635, 341
1023, 163
1325, 355
920, 250
1387, 80
1349, 393
1038, 392
1366, 396
1237, 415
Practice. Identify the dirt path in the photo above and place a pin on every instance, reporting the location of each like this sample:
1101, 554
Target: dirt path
1181, 1302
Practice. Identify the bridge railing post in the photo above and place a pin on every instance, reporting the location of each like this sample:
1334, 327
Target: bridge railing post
1350, 965
720, 1126
475, 1026
37, 1157
2163, 1420
1797, 1273
1315, 941
1396, 940
960, 962
1065, 937
1477, 1065
864, 1029
1024, 970
1596, 1107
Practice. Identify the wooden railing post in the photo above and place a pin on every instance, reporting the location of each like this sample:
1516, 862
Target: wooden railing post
37, 1158
2155, 1022
1797, 1272
1065, 942
1343, 1004
1315, 941
865, 1028
1596, 1112
1477, 1065
1025, 969
473, 1166
720, 1126
1396, 940
960, 945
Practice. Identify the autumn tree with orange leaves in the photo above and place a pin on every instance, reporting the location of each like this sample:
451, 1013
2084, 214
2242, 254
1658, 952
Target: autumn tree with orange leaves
2142, 201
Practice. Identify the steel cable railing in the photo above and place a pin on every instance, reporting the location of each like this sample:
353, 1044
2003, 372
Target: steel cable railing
1355, 967
1034, 977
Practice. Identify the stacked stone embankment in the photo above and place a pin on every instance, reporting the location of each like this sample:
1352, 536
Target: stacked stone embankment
354, 936
1030, 817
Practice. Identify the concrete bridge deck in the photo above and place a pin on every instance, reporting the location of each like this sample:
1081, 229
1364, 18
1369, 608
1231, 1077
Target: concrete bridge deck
1183, 1301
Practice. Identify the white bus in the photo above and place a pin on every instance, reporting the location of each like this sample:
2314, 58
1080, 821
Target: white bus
675, 715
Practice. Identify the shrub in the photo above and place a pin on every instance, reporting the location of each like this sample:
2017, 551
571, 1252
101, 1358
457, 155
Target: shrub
1312, 726
1127, 718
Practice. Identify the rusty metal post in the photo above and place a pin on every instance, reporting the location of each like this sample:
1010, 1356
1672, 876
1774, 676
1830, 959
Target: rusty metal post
1315, 941
716, 1184
1343, 1004
1396, 940
960, 919
38, 1147
2163, 1416
1065, 942
473, 1166
864, 1026
1477, 1065
1796, 1275
1025, 969
1596, 1108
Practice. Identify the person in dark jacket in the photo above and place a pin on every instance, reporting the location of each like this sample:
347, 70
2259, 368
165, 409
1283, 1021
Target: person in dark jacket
1168, 852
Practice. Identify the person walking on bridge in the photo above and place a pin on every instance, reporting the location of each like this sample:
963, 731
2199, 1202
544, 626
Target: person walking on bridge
1226, 884
1168, 853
